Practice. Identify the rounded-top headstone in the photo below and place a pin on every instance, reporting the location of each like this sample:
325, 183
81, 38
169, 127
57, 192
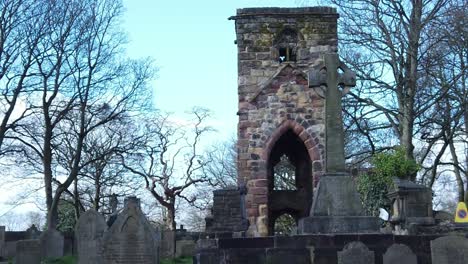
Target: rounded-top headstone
89, 233
399, 253
355, 253
449, 250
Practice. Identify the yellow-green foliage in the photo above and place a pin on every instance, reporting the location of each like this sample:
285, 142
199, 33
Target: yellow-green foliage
374, 186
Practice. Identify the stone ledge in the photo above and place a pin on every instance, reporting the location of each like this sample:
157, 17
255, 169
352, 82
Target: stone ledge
338, 225
268, 11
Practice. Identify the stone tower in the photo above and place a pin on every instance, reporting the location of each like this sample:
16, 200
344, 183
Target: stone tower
281, 120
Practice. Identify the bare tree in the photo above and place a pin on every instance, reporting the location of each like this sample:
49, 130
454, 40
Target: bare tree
171, 162
21, 29
223, 168
84, 84
103, 175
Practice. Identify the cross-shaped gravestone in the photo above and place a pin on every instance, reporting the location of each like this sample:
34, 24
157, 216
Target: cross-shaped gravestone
333, 74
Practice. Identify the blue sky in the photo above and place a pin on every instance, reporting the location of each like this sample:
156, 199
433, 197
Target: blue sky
192, 43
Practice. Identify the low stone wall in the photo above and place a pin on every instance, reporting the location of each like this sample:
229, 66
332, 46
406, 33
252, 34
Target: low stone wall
324, 249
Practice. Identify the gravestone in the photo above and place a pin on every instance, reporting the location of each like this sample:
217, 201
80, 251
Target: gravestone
449, 250
167, 243
28, 251
185, 248
131, 238
52, 242
89, 234
33, 232
2, 240
399, 253
355, 253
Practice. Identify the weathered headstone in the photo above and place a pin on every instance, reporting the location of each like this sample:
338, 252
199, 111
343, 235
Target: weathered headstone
167, 243
131, 238
89, 234
52, 242
355, 253
2, 240
28, 252
33, 232
400, 254
449, 250
185, 248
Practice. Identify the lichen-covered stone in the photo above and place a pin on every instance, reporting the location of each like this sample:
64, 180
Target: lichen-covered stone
274, 96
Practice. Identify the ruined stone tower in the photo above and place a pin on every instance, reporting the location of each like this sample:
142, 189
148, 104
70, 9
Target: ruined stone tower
281, 120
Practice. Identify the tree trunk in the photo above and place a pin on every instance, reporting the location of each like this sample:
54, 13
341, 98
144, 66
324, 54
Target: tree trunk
76, 197
170, 221
461, 190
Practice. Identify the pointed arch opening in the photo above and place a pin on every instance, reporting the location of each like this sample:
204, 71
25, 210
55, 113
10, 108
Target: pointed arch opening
290, 179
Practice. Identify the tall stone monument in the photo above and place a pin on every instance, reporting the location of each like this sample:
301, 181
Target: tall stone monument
336, 207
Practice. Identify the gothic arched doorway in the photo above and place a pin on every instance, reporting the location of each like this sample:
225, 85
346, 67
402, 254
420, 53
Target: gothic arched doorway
290, 181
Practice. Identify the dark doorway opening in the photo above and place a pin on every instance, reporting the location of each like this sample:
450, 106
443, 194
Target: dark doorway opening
290, 182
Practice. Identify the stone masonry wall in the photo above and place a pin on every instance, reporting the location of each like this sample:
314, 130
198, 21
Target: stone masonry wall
274, 96
227, 215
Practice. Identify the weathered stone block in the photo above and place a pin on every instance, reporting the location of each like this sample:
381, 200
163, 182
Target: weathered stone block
131, 238
52, 242
355, 253
449, 250
28, 252
89, 233
185, 248
400, 254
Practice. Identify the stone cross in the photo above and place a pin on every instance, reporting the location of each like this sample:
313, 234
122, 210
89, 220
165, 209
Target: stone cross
333, 74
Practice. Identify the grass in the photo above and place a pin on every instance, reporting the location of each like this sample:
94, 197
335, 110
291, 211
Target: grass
183, 260
62, 260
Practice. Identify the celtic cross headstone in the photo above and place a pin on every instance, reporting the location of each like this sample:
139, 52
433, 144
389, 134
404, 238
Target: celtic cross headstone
329, 74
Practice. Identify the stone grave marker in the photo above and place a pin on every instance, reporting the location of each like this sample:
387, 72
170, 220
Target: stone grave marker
89, 233
33, 232
355, 253
131, 238
449, 250
52, 242
399, 253
28, 251
185, 248
2, 239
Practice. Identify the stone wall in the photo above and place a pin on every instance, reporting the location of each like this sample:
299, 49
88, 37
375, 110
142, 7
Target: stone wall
227, 215
274, 96
335, 249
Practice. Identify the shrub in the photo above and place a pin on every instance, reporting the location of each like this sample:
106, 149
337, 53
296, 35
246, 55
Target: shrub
373, 187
